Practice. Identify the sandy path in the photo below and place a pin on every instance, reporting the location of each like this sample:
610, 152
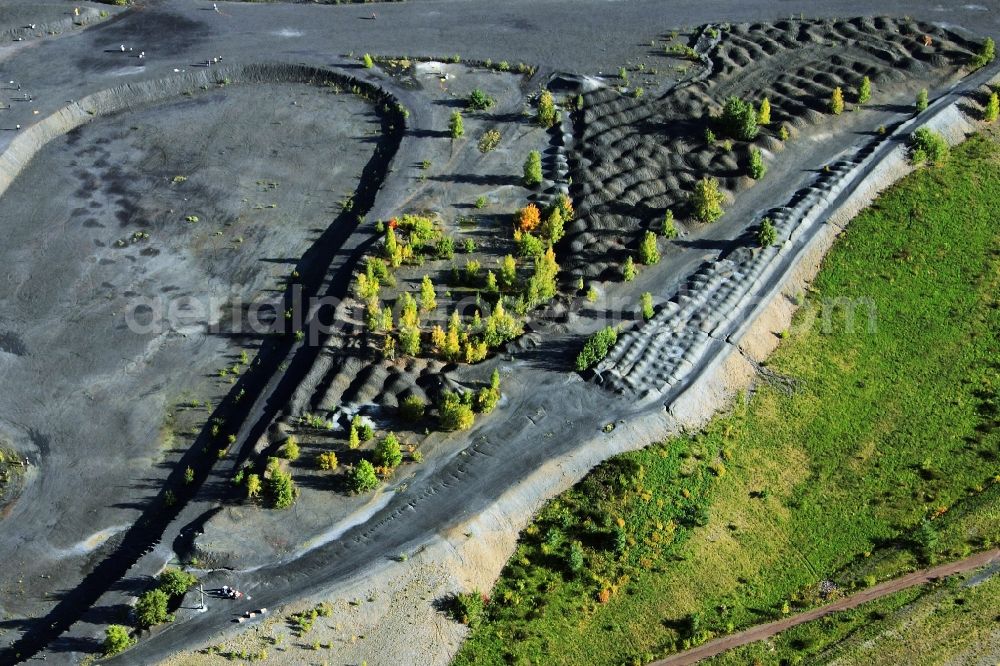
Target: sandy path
760, 632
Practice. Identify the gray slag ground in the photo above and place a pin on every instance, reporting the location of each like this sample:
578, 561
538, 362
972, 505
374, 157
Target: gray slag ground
92, 394
592, 36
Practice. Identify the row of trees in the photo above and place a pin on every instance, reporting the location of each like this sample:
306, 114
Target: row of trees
151, 608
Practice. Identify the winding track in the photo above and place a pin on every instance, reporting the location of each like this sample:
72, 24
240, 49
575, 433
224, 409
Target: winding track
585, 42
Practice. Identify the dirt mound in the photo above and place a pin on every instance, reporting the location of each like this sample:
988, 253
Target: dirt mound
636, 157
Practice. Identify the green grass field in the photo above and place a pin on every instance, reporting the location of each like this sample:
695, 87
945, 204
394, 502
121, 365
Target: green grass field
889, 427
954, 620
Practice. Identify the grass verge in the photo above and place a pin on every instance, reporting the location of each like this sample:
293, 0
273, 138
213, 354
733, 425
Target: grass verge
883, 458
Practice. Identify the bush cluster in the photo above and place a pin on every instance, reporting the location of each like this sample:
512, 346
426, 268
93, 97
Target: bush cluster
596, 348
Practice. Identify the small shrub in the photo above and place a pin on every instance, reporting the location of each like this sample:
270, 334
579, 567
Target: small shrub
927, 145
290, 449
388, 453
921, 102
547, 114
646, 302
327, 460
116, 639
739, 119
280, 486
709, 136
669, 228
628, 269
533, 169
362, 477
481, 202
489, 141
707, 200
764, 113
865, 90
574, 559
467, 608
756, 166
783, 133
767, 234
836, 104
369, 63
479, 100
528, 218
412, 408
254, 486
596, 348
648, 252
454, 414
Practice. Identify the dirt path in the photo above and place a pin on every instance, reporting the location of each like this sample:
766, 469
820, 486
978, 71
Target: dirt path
762, 631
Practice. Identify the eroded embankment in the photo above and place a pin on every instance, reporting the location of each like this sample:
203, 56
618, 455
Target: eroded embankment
146, 532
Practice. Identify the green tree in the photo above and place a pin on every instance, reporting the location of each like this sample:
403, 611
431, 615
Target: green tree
508, 272
428, 297
542, 285
992, 109
987, 52
151, 608
455, 414
409, 316
837, 101
764, 114
756, 166
921, 102
409, 341
175, 582
628, 269
533, 169
739, 119
669, 227
353, 438
280, 486
553, 227
647, 306
117, 639
362, 478
707, 200
387, 452
412, 408
767, 234
491, 283
865, 90
547, 114
500, 327
648, 253
455, 125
